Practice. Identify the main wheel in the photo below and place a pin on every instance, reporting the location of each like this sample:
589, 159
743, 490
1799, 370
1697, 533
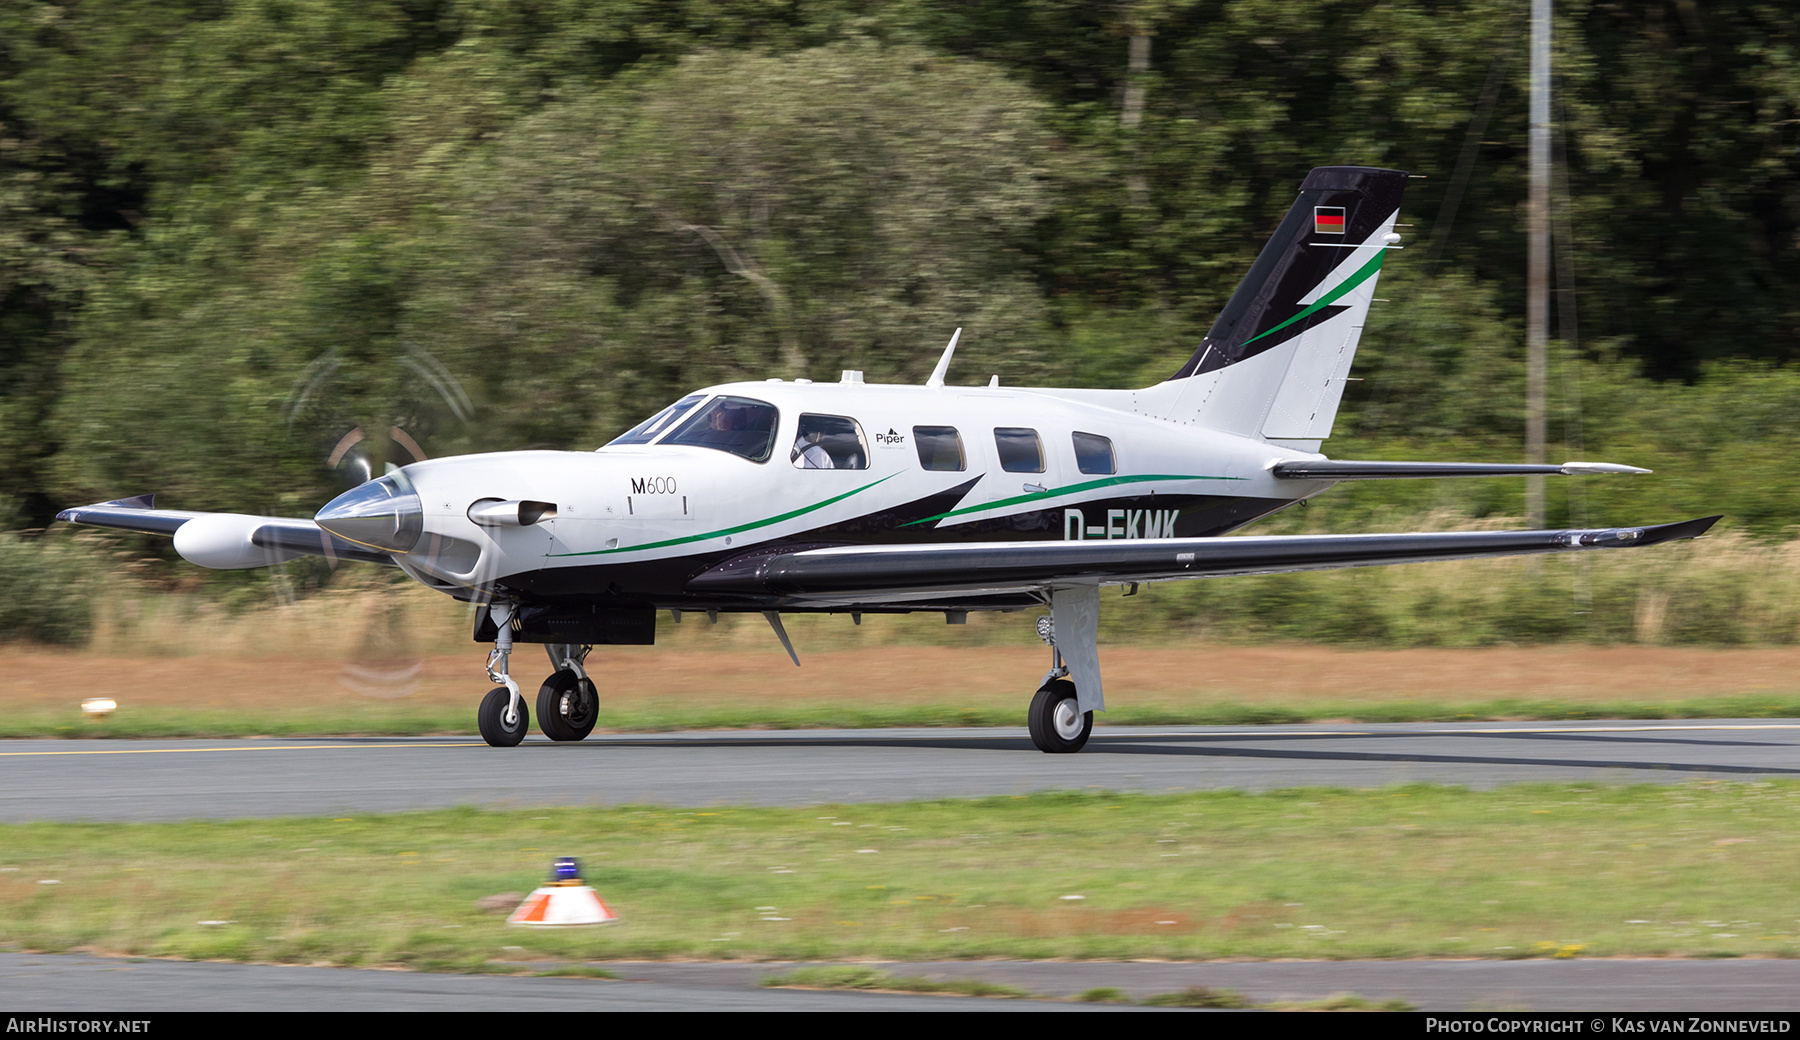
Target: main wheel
1057, 724
567, 706
492, 719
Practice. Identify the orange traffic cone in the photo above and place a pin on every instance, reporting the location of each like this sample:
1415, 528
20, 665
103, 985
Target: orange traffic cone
565, 900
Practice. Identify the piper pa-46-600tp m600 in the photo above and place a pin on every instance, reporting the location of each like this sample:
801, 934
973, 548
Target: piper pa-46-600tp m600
852, 497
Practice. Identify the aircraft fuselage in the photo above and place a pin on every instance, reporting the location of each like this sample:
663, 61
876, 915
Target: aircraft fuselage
634, 523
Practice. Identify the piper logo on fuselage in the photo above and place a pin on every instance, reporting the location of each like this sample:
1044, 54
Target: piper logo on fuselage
1120, 523
653, 485
892, 438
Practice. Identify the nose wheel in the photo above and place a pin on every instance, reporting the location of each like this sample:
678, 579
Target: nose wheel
1058, 726
496, 729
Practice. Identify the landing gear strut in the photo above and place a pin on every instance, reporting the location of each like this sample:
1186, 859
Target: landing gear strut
568, 704
502, 717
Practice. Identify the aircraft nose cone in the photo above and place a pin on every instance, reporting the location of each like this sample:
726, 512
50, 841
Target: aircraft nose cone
382, 514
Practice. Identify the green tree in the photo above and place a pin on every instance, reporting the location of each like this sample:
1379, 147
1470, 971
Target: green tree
742, 215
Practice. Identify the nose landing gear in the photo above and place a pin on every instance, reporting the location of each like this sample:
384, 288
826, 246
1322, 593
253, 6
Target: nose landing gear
496, 708
568, 704
502, 717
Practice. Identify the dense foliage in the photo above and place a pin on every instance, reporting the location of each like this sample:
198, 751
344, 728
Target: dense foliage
232, 231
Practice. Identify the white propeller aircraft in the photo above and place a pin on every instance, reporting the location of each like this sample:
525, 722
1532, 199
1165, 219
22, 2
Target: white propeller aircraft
852, 497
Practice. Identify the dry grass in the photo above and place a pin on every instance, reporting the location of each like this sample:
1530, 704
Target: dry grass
985, 678
383, 658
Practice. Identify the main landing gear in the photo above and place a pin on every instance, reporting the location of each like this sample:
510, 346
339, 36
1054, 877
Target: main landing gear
1058, 725
567, 703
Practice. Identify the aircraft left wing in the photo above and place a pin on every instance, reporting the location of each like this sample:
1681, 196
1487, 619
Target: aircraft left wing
845, 573
224, 541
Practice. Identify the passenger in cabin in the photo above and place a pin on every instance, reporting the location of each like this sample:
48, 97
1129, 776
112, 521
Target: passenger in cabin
809, 453
829, 442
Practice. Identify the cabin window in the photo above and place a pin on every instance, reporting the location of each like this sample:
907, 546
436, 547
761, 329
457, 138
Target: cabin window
1020, 450
829, 442
661, 422
940, 448
738, 425
1094, 454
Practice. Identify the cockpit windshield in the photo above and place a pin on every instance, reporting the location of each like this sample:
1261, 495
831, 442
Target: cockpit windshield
661, 422
738, 425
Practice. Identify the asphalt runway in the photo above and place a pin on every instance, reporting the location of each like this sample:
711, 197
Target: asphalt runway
39, 983
220, 779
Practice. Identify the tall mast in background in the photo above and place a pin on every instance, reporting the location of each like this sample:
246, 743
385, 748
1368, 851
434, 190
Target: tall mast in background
1537, 302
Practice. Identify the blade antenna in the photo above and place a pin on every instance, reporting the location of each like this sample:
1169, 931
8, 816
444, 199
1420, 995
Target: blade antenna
774, 619
937, 374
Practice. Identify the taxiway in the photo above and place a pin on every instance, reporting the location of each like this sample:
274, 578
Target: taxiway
222, 779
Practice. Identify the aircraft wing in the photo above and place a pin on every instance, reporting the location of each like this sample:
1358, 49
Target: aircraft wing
223, 540
848, 573
1347, 469
130, 514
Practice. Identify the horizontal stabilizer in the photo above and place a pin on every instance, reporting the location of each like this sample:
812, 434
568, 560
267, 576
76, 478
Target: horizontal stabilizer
1343, 469
980, 567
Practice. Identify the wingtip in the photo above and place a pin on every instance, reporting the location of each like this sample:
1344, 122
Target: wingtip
134, 502
72, 516
1681, 529
1572, 469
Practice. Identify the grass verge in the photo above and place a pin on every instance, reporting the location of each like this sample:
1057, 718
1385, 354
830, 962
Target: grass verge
861, 977
1698, 869
851, 976
1200, 997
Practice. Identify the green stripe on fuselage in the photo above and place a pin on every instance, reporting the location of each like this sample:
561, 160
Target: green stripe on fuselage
1072, 489
731, 530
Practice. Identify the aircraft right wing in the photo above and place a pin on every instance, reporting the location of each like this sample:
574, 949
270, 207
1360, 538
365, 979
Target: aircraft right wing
854, 572
223, 540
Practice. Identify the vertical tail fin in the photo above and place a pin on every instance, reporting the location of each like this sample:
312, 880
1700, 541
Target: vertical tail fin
1274, 363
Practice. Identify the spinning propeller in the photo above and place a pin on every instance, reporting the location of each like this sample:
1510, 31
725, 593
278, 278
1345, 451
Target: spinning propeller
426, 400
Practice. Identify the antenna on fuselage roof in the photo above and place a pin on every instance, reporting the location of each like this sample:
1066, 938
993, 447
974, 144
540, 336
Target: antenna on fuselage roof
943, 365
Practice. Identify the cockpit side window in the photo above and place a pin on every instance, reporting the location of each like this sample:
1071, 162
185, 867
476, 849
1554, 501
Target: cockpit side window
940, 448
739, 425
661, 422
829, 442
